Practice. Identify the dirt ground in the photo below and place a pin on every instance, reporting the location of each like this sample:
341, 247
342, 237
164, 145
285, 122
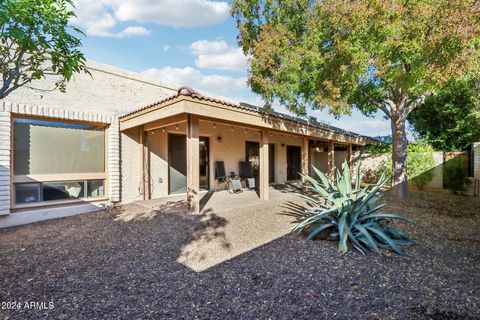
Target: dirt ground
97, 266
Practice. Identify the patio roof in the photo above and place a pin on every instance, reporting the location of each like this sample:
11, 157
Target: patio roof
262, 111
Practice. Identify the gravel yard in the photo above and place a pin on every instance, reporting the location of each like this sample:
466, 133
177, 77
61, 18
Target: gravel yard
95, 266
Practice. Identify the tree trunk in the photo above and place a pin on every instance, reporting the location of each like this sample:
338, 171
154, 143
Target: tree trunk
399, 153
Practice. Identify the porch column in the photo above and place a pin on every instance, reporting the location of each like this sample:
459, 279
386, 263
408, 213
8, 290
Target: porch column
305, 158
264, 165
193, 167
350, 156
331, 159
144, 187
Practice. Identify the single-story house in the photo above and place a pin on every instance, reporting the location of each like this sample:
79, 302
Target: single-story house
117, 137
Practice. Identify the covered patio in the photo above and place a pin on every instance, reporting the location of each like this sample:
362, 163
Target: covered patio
169, 148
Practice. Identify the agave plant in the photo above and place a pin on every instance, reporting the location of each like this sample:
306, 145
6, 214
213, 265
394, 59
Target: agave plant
347, 213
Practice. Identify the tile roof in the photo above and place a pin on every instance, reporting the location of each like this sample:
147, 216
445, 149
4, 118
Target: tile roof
189, 92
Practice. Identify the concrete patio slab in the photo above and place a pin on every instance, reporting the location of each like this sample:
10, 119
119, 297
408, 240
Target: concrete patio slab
236, 223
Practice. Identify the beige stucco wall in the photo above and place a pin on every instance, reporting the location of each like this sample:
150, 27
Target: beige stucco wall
320, 159
130, 165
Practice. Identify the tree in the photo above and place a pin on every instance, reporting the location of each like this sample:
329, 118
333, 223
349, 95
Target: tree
369, 54
35, 41
450, 120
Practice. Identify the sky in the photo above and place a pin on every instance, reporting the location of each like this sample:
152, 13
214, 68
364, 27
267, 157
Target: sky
185, 42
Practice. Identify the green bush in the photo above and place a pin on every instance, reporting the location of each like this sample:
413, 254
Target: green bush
348, 213
420, 164
378, 147
455, 174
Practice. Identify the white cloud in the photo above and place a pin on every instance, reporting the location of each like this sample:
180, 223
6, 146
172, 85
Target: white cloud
132, 31
93, 17
219, 55
194, 78
205, 47
173, 13
166, 48
101, 17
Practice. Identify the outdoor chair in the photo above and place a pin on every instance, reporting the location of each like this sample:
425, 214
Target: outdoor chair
235, 185
220, 174
246, 173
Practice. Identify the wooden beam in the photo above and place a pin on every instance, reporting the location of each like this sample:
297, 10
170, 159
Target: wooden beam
305, 158
171, 108
331, 159
193, 168
264, 193
146, 166
165, 122
141, 151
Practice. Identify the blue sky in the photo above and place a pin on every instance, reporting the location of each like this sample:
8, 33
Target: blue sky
187, 42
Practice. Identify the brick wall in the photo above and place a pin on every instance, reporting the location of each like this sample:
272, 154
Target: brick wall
4, 161
107, 90
114, 161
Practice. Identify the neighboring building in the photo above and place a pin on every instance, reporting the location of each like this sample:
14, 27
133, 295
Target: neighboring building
105, 142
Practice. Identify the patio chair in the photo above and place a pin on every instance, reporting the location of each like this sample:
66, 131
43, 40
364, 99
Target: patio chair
246, 173
220, 174
235, 185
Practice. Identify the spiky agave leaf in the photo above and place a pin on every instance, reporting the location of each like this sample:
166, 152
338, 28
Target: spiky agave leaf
349, 213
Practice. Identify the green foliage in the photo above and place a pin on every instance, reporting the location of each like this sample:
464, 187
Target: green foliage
377, 148
36, 40
349, 214
420, 164
449, 120
366, 53
455, 174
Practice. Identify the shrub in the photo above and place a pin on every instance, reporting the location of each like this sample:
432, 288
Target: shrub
348, 213
455, 174
420, 164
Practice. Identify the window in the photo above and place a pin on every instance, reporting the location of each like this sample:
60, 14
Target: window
50, 147
57, 160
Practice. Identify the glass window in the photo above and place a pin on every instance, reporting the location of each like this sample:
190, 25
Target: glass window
27, 193
51, 147
58, 190
63, 190
95, 188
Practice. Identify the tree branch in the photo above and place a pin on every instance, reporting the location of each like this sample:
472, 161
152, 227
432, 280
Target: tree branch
415, 103
380, 105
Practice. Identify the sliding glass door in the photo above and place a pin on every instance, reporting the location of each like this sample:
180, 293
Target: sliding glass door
177, 163
204, 163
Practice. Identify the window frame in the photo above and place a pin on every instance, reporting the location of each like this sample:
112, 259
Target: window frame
41, 178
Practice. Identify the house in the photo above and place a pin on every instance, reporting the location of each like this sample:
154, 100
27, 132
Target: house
106, 141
